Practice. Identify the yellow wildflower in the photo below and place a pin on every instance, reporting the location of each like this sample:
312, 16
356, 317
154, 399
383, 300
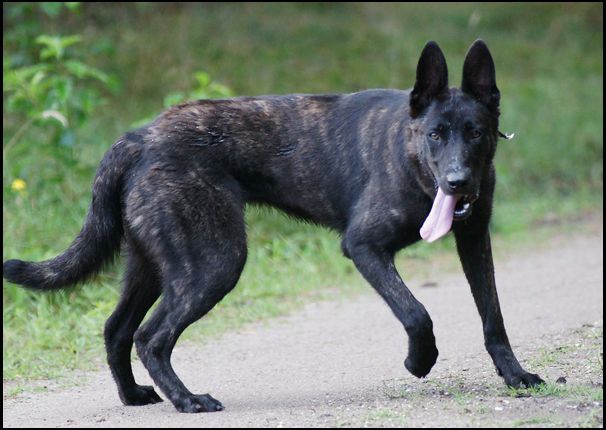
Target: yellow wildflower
18, 185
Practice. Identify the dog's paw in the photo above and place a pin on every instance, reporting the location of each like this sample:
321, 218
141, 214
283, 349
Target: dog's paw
422, 355
198, 403
524, 380
141, 395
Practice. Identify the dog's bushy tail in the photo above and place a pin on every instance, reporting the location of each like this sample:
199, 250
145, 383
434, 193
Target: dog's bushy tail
98, 241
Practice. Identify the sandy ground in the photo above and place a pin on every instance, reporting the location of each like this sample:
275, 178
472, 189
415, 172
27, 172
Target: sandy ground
340, 363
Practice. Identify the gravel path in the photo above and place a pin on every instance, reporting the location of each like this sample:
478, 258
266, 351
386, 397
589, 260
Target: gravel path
340, 363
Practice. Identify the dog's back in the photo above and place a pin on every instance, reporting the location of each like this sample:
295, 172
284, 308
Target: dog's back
308, 155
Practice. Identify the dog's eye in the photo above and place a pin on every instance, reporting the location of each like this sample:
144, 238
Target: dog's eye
476, 133
434, 136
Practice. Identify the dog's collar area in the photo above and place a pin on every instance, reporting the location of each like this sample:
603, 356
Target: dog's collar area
506, 136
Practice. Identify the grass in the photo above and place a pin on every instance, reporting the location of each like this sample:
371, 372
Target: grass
577, 393
542, 421
386, 417
586, 346
549, 70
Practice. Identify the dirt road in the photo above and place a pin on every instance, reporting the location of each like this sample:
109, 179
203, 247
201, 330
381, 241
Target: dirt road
340, 363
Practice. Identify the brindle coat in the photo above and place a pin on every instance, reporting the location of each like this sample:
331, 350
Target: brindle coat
361, 164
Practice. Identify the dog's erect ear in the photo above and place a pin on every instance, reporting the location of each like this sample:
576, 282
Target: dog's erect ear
432, 78
479, 79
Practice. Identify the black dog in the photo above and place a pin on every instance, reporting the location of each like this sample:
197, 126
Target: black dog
376, 166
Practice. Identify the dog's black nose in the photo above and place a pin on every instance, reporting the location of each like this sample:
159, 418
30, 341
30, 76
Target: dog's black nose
458, 180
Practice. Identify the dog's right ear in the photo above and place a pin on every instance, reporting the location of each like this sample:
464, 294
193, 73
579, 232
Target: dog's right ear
432, 78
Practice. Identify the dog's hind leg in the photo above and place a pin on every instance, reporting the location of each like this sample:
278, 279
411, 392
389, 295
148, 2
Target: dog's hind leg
202, 246
141, 290
187, 298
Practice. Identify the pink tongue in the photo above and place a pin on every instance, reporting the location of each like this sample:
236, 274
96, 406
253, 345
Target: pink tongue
439, 220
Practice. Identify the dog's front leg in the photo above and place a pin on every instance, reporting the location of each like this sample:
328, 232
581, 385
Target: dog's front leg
473, 245
377, 267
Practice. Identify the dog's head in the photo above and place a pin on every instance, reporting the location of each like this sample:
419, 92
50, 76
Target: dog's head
456, 129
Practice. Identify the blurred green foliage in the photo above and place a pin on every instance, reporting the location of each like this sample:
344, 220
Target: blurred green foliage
102, 68
52, 90
48, 90
204, 88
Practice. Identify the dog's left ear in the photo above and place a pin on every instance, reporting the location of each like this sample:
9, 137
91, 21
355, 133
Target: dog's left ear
479, 79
